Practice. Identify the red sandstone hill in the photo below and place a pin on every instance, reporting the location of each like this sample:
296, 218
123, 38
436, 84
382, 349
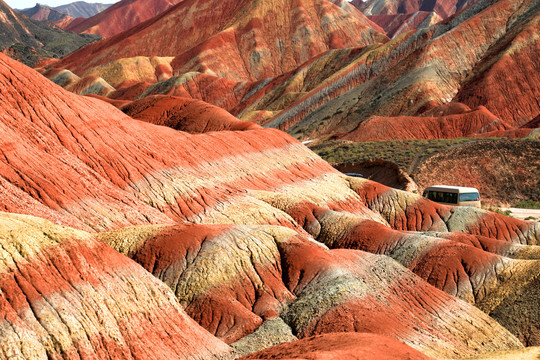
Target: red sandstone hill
239, 40
184, 114
401, 84
243, 227
419, 72
120, 17
468, 123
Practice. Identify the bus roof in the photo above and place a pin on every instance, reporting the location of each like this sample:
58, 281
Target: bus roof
452, 189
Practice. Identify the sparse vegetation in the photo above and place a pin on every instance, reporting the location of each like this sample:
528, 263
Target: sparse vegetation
502, 212
401, 152
528, 204
29, 41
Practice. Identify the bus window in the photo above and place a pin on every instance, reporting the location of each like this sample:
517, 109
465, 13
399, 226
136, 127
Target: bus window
469, 197
451, 198
442, 197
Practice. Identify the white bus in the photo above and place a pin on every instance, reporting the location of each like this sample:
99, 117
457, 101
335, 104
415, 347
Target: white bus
453, 195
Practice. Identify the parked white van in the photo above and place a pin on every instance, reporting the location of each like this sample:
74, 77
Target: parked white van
453, 195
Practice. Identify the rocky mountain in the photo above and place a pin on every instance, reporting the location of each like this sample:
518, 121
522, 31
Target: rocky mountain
29, 41
234, 41
82, 9
73, 10
412, 87
120, 17
43, 13
415, 76
244, 227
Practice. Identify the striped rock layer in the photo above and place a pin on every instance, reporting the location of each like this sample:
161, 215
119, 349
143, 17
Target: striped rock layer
236, 222
240, 40
415, 73
232, 278
405, 85
120, 17
66, 295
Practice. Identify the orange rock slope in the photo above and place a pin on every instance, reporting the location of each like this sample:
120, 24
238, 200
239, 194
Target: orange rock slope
185, 114
420, 71
245, 226
349, 92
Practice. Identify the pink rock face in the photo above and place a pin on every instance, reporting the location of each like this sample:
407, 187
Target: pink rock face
236, 40
341, 346
120, 17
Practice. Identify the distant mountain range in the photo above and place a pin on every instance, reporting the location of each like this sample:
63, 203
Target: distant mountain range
29, 41
77, 9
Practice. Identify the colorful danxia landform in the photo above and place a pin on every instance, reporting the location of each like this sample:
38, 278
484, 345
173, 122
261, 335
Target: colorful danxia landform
156, 201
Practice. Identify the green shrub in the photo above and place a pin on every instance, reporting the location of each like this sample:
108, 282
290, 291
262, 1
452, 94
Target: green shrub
528, 204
